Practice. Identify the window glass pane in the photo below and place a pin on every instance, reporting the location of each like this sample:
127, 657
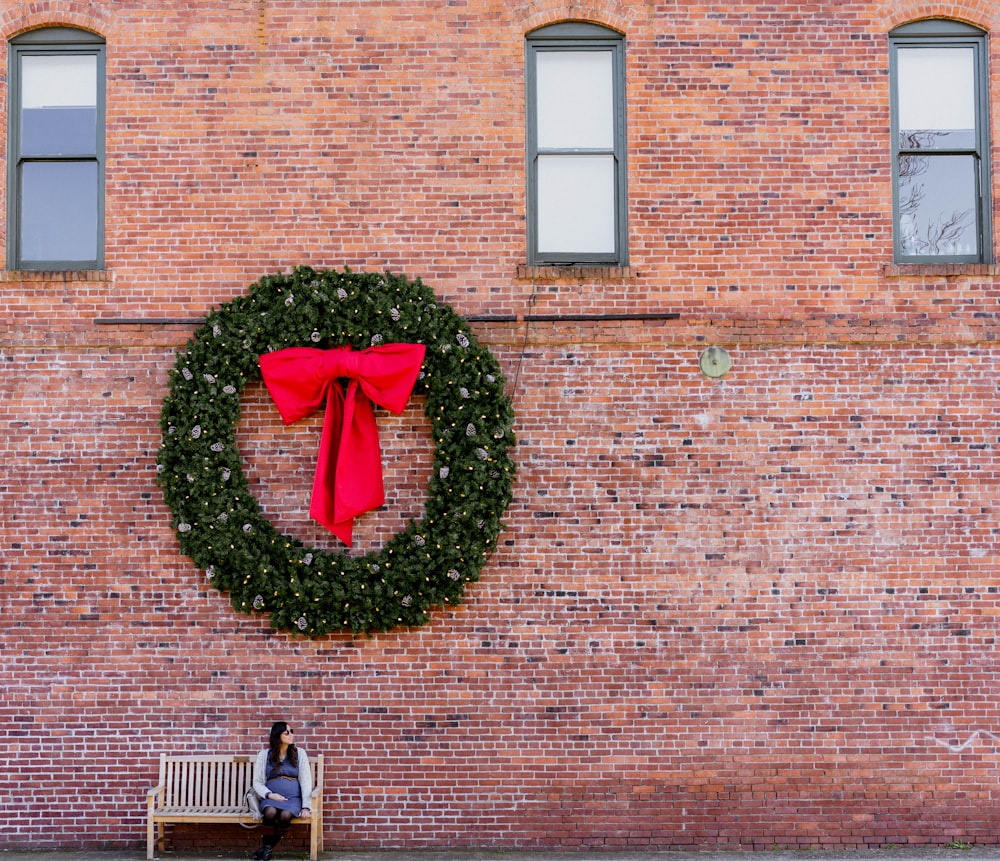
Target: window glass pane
575, 101
576, 204
937, 205
59, 105
937, 97
59, 214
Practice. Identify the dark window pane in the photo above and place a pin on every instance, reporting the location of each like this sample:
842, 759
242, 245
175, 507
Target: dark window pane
59, 213
937, 205
59, 131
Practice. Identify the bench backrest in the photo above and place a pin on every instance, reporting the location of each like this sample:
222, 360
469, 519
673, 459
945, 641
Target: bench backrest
213, 781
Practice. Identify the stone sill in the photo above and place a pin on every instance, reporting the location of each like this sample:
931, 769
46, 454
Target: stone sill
584, 272
941, 270
49, 276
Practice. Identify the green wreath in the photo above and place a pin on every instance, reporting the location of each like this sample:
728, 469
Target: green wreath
218, 521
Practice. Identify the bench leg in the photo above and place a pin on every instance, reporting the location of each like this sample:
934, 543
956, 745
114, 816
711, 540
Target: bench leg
150, 837
314, 840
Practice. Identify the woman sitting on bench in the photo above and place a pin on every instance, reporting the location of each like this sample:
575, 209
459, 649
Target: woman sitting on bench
282, 778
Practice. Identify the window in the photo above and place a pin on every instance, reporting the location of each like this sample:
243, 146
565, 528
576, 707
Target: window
940, 143
56, 151
576, 145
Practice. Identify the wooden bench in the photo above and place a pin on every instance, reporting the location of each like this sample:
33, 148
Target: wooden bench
194, 789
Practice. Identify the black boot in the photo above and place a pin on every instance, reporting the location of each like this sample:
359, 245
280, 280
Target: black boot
265, 852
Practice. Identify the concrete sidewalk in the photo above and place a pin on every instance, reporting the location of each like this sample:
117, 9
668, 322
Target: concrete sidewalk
919, 853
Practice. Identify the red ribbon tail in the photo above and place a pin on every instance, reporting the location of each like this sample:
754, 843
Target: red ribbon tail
358, 481
322, 507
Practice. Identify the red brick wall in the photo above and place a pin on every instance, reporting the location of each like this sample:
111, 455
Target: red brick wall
745, 612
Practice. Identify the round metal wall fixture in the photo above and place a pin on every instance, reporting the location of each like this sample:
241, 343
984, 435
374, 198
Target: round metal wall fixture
714, 362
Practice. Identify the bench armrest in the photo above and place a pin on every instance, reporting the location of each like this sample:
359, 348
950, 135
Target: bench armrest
152, 797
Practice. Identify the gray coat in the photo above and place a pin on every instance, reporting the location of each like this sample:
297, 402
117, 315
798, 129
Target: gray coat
305, 776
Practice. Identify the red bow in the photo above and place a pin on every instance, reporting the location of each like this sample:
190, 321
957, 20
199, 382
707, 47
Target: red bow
348, 479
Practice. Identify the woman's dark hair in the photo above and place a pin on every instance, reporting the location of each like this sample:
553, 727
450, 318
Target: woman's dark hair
274, 743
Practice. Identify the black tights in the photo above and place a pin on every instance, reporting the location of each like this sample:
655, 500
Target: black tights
279, 821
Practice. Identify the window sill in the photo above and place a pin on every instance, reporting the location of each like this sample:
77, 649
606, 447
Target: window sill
577, 272
55, 275
940, 270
